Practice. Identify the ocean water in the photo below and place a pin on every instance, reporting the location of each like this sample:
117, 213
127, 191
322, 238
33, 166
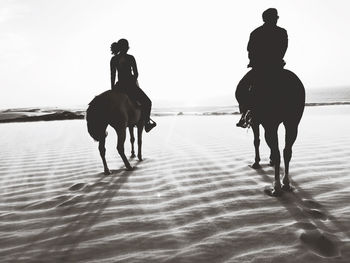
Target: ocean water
328, 95
336, 96
314, 97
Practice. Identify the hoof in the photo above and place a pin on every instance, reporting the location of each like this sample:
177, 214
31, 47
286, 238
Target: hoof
130, 168
256, 166
132, 155
287, 188
107, 172
273, 192
140, 158
271, 163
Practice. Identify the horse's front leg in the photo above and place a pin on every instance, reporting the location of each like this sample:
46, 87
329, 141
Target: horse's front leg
256, 131
102, 149
132, 140
120, 146
139, 141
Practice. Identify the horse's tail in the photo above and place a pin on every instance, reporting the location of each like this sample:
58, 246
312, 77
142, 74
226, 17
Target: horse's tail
96, 118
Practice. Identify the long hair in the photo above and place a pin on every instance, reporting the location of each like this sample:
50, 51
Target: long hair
121, 46
96, 117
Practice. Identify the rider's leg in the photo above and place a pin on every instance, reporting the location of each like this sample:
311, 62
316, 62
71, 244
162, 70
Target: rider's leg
243, 96
146, 106
242, 91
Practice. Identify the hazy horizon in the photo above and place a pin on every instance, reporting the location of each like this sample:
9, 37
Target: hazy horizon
56, 53
337, 95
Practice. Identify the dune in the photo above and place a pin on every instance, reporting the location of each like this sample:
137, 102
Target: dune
194, 198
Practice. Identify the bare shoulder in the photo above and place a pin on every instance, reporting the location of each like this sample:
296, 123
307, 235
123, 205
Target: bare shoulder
130, 57
113, 59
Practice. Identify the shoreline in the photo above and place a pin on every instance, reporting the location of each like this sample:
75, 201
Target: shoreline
37, 114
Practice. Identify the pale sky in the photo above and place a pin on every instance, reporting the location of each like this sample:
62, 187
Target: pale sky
189, 52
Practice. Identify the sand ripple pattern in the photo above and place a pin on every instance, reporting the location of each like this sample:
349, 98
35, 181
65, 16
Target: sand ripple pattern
193, 198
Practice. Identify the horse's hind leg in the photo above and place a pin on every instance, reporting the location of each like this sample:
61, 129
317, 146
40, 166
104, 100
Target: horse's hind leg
102, 149
272, 162
120, 147
139, 142
132, 140
256, 131
291, 135
271, 138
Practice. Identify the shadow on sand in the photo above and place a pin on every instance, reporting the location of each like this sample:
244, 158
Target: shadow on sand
75, 218
317, 225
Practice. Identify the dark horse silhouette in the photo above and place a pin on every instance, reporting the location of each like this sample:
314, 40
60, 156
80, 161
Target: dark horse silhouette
114, 108
275, 99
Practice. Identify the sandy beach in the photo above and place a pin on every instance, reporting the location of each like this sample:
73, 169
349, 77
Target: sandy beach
194, 198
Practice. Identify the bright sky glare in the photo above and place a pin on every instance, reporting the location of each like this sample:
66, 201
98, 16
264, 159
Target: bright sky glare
189, 52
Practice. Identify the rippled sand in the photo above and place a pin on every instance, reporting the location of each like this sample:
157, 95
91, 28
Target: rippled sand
193, 198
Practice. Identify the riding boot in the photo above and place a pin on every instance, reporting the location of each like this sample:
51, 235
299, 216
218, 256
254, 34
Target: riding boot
241, 123
146, 105
149, 125
246, 120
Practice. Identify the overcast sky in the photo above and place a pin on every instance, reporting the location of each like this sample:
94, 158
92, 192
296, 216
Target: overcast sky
56, 52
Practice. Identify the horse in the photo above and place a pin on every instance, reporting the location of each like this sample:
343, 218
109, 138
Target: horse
114, 108
276, 97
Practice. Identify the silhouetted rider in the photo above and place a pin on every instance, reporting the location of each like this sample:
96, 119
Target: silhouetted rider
266, 49
125, 65
268, 43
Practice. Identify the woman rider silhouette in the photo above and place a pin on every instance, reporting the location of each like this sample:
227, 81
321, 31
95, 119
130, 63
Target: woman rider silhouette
125, 64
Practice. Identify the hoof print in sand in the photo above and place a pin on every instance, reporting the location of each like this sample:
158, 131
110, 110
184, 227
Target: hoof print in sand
76, 187
74, 200
320, 244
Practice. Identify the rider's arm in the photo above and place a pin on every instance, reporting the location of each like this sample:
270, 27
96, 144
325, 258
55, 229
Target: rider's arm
113, 72
134, 67
284, 43
251, 46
